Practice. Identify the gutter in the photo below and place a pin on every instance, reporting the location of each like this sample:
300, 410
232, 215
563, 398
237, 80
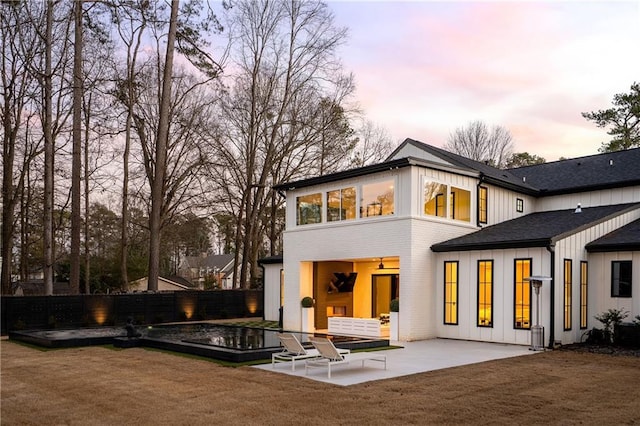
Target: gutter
552, 257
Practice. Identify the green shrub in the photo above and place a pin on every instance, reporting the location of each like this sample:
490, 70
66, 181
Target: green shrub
394, 306
610, 319
307, 302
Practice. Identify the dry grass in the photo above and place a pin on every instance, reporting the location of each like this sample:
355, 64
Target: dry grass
98, 385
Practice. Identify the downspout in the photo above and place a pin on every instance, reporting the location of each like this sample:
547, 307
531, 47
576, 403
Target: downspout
478, 199
551, 248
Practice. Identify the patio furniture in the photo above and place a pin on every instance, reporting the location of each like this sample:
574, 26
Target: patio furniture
293, 351
330, 356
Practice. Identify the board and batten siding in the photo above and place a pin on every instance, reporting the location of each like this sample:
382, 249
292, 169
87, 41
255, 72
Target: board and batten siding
503, 330
630, 194
599, 295
502, 204
573, 248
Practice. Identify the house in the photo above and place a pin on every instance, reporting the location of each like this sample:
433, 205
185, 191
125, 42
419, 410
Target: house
209, 270
173, 283
456, 241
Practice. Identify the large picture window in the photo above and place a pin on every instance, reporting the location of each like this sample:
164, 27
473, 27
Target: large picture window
621, 278
485, 293
583, 294
460, 204
309, 209
567, 293
451, 293
436, 195
522, 294
377, 199
482, 204
341, 204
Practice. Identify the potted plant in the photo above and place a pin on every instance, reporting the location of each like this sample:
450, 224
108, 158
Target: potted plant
394, 308
307, 314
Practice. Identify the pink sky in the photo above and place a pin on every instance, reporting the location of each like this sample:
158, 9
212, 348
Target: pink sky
424, 68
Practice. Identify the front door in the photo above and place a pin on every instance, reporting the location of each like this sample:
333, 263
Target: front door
384, 288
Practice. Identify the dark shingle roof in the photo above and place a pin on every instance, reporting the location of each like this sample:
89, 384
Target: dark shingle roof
602, 171
533, 230
271, 259
219, 261
626, 238
491, 174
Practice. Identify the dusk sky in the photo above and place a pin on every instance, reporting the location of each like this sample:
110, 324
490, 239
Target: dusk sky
424, 68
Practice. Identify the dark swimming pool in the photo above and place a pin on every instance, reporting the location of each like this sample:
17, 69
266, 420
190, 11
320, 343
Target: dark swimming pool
225, 342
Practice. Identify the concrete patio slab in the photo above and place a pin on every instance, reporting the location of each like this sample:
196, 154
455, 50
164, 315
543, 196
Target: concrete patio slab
412, 358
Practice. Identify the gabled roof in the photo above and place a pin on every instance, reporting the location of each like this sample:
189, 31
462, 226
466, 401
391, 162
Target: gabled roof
179, 281
601, 171
626, 238
534, 230
220, 261
490, 174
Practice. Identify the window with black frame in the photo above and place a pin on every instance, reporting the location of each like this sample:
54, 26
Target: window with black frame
621, 278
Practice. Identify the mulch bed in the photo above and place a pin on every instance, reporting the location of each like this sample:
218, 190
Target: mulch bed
601, 349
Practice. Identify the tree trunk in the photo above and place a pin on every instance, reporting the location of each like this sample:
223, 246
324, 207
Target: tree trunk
87, 254
48, 157
162, 140
76, 165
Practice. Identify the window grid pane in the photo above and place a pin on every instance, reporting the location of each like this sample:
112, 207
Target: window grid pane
567, 293
583, 294
522, 293
485, 293
482, 205
451, 293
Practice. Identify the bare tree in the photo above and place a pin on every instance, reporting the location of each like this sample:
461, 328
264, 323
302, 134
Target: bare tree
160, 158
283, 117
477, 142
16, 112
76, 166
374, 144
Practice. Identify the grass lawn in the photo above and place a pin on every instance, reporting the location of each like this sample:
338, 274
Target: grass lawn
99, 385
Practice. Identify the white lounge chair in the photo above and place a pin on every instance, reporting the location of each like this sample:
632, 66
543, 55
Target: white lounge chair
294, 351
330, 356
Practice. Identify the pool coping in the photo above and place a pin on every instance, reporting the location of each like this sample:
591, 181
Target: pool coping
209, 351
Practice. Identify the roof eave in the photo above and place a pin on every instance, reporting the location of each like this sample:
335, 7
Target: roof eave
498, 245
607, 248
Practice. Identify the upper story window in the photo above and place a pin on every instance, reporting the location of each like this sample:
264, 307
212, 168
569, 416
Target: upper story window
621, 278
519, 205
460, 206
377, 199
309, 209
435, 196
341, 204
482, 204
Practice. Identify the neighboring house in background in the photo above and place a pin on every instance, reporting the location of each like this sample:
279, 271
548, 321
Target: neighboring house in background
35, 287
207, 269
172, 283
455, 240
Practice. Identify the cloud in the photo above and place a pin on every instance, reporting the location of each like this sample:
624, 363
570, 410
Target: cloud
424, 68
